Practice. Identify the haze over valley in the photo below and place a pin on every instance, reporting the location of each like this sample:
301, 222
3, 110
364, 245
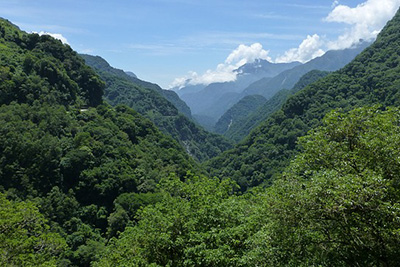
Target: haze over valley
122, 145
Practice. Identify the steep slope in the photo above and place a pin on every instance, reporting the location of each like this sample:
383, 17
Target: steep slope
330, 61
371, 78
34, 67
120, 89
240, 110
216, 98
67, 151
242, 126
100, 64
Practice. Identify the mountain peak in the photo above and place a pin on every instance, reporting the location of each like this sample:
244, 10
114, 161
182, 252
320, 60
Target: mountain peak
131, 74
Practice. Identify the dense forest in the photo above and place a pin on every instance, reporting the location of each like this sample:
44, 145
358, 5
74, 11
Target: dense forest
171, 117
69, 154
87, 183
371, 78
251, 111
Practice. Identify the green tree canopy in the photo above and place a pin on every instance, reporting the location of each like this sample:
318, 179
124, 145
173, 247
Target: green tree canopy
339, 203
25, 236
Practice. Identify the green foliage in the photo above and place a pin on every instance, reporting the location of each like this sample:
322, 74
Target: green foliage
103, 186
148, 99
338, 203
371, 78
97, 154
197, 223
241, 127
78, 163
238, 112
71, 153
34, 67
100, 64
25, 236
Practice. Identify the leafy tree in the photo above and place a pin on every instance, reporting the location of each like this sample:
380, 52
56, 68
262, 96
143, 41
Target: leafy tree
197, 223
371, 78
160, 107
338, 203
63, 147
42, 68
25, 236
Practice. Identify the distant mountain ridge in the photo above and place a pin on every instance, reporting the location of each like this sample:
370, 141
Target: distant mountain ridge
130, 73
259, 78
372, 78
214, 99
330, 61
151, 102
99, 63
242, 124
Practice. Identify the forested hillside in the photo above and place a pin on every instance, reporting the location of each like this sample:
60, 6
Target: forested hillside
69, 154
330, 61
100, 64
371, 78
242, 125
337, 208
83, 183
121, 89
239, 111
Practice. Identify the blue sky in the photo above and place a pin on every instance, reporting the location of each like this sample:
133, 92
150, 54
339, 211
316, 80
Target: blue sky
161, 40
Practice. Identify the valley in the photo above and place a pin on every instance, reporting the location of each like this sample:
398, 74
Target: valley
291, 164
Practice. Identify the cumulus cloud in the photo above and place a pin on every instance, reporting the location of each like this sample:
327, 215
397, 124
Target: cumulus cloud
310, 48
247, 54
56, 36
366, 20
225, 72
363, 22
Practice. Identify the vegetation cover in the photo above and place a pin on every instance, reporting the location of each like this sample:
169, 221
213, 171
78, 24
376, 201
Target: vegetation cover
371, 78
67, 151
102, 186
239, 111
245, 121
335, 208
148, 99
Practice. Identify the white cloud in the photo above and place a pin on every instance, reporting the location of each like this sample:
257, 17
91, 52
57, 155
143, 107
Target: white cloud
366, 20
310, 48
335, 3
247, 54
225, 72
56, 36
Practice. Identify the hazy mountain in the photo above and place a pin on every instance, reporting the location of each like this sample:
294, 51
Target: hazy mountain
262, 78
130, 73
100, 63
370, 79
213, 100
239, 111
189, 89
242, 124
330, 61
150, 102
